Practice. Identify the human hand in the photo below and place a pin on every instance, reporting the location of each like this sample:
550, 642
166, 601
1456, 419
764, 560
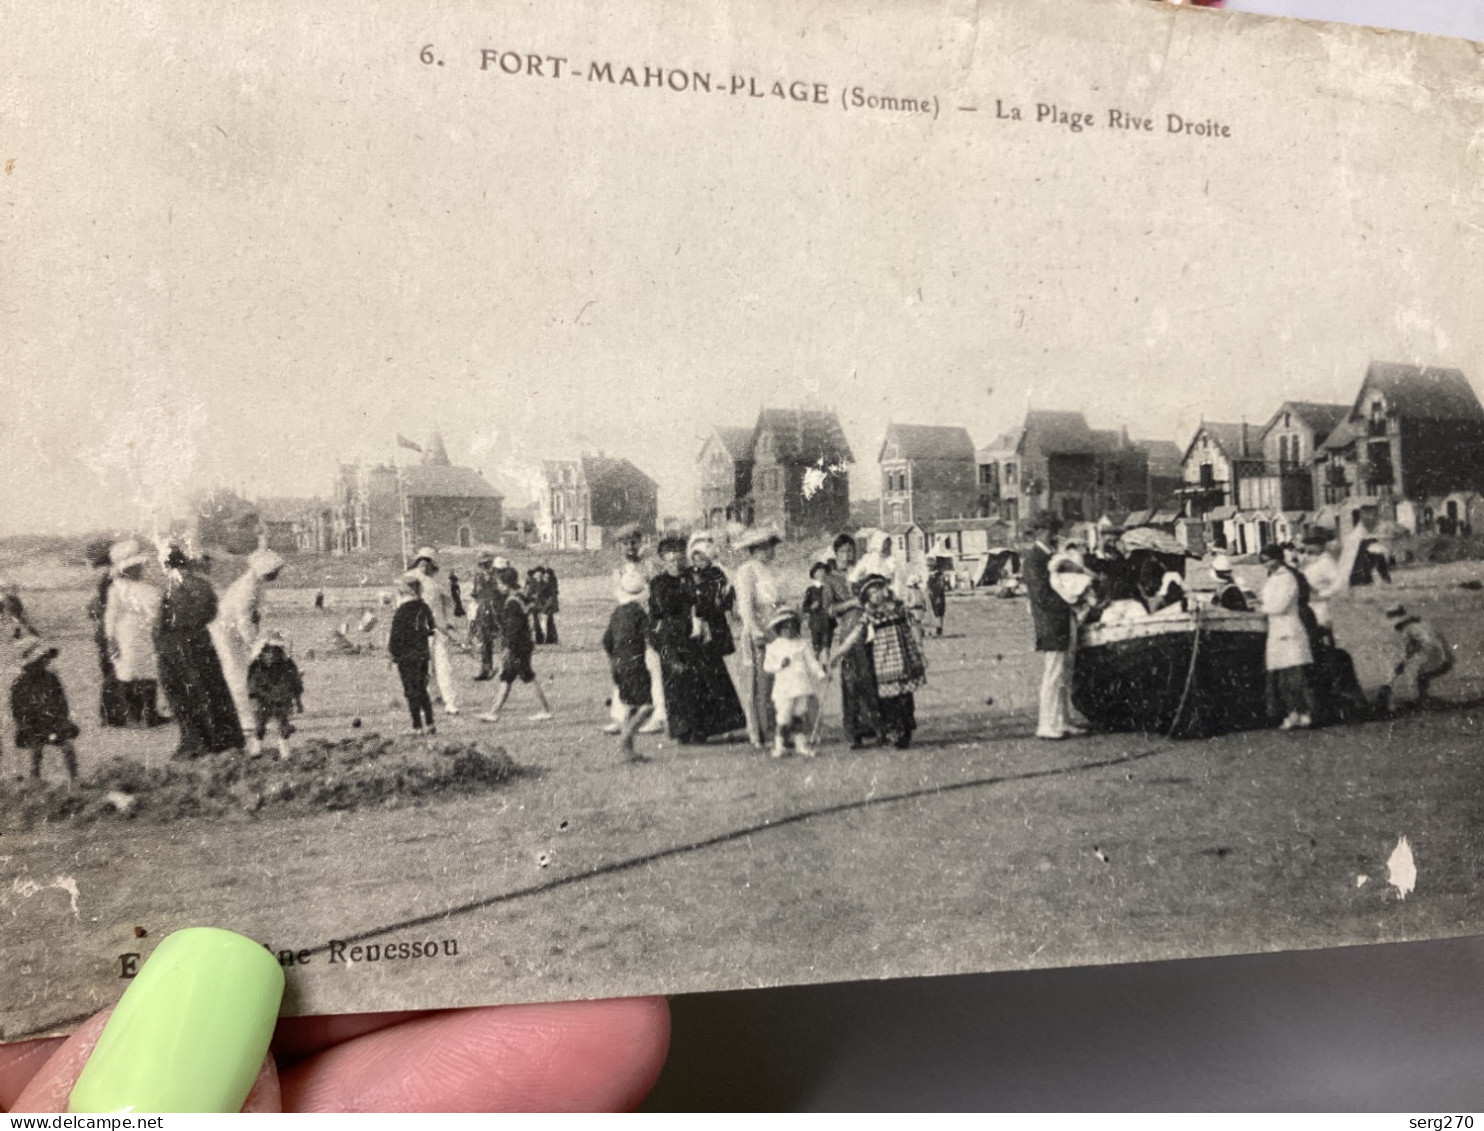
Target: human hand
567, 1056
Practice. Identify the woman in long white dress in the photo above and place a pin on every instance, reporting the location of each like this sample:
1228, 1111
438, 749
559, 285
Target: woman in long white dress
236, 627
879, 561
130, 617
758, 597
1288, 656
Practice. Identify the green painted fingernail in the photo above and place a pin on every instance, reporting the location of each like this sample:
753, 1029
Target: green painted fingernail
190, 1032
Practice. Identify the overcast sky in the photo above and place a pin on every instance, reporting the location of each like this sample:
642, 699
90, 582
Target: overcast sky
243, 246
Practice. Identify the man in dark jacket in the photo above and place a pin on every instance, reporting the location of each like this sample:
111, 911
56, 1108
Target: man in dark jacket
485, 623
1052, 619
411, 650
517, 647
1116, 574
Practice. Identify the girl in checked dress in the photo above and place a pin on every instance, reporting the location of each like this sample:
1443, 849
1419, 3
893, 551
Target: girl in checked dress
897, 663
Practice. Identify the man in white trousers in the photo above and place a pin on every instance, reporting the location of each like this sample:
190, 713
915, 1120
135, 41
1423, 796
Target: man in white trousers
1055, 631
436, 596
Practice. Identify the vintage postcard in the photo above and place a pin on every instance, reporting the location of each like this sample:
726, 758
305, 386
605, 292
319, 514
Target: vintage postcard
512, 502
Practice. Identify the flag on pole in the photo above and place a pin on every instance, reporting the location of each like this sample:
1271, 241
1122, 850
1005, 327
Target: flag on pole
404, 442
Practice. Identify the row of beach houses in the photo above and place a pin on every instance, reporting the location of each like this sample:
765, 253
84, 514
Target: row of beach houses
1407, 453
389, 508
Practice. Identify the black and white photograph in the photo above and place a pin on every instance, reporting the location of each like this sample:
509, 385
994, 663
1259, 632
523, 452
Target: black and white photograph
516, 503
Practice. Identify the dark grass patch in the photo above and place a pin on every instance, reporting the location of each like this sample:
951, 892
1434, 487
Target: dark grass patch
364, 771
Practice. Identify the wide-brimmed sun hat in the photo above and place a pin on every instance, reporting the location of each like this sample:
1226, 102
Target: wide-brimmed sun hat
426, 554
126, 554
264, 562
783, 617
758, 537
629, 586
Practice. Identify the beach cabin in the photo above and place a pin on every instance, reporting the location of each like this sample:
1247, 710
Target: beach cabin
969, 539
909, 541
1460, 512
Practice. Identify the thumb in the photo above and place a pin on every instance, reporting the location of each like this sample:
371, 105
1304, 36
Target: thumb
190, 1034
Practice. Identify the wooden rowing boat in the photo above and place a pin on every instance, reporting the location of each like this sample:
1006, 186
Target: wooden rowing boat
1186, 676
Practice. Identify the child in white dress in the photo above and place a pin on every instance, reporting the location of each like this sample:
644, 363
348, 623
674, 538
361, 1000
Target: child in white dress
797, 677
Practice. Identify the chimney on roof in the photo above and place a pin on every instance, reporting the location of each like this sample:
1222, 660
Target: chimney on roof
1244, 438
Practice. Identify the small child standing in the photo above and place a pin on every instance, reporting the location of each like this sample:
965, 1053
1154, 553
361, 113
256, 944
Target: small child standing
797, 676
916, 603
624, 641
816, 605
897, 661
411, 649
519, 647
39, 706
276, 690
937, 591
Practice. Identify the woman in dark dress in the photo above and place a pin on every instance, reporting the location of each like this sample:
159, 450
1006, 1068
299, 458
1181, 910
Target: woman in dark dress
190, 671
860, 710
677, 632
715, 600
